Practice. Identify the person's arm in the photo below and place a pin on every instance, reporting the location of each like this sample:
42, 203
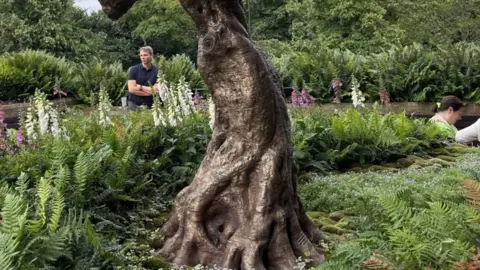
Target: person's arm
133, 87
469, 134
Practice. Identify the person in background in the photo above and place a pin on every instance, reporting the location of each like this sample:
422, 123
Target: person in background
447, 113
142, 81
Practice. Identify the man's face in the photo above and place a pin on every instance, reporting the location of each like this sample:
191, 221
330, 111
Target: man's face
145, 57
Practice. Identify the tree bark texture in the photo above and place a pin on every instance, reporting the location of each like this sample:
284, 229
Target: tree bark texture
241, 211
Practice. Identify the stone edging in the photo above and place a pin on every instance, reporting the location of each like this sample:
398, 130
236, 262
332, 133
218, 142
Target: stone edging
12, 111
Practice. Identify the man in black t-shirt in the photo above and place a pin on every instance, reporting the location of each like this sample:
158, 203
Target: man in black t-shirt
142, 81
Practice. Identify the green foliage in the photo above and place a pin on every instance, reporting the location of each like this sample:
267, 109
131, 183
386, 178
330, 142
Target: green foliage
409, 73
36, 229
179, 66
24, 72
94, 75
438, 21
31, 28
326, 141
164, 25
346, 24
110, 172
412, 220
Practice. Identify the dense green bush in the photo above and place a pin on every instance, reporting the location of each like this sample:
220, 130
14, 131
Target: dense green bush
410, 73
176, 67
23, 72
336, 141
92, 76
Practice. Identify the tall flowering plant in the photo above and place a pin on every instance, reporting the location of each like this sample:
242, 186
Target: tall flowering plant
196, 99
357, 95
104, 108
177, 100
10, 139
301, 99
42, 118
211, 111
384, 96
3, 129
336, 86
159, 116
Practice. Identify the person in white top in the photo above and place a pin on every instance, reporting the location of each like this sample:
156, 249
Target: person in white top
469, 134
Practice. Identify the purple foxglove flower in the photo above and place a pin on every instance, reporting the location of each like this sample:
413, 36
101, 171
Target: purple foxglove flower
20, 138
294, 97
307, 99
196, 99
2, 120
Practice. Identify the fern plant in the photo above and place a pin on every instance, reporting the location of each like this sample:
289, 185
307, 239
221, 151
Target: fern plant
21, 73
96, 75
335, 141
36, 235
436, 236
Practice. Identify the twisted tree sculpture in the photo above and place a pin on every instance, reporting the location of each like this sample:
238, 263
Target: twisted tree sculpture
241, 210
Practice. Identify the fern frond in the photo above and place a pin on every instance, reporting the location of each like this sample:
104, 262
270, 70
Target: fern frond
56, 210
473, 193
60, 152
396, 209
81, 170
62, 177
43, 194
22, 184
353, 253
386, 137
54, 245
138, 188
75, 223
4, 190
8, 246
92, 237
14, 215
403, 126
124, 198
109, 138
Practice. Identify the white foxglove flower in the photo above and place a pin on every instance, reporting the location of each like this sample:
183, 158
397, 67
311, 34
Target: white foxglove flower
30, 124
357, 97
104, 107
211, 110
163, 91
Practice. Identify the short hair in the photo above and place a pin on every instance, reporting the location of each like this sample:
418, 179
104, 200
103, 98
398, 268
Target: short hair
147, 49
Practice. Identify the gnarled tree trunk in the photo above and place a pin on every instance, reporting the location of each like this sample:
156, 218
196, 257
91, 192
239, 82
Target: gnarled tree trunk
241, 211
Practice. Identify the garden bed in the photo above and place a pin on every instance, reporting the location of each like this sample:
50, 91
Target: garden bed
470, 114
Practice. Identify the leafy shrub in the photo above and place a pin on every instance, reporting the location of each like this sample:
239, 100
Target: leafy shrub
23, 72
177, 66
92, 76
325, 141
410, 73
37, 229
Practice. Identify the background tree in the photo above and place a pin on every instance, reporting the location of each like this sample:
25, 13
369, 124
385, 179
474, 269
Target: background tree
164, 25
